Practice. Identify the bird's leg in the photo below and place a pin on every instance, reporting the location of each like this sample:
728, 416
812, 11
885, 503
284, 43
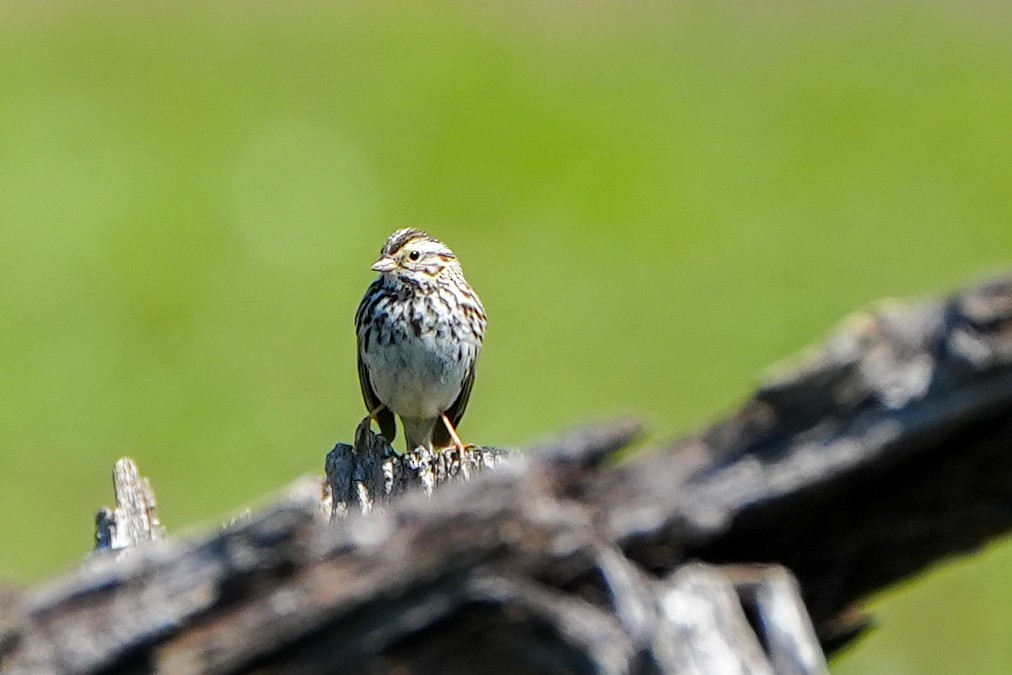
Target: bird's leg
453, 434
371, 417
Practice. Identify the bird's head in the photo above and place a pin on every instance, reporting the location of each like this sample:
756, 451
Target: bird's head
412, 255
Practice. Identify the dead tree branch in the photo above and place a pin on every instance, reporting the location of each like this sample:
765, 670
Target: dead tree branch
371, 473
880, 454
133, 521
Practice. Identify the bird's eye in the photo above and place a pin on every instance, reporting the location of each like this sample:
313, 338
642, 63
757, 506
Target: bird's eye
414, 255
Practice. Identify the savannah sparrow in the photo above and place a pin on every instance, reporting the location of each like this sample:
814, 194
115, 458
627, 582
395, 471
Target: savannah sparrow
420, 328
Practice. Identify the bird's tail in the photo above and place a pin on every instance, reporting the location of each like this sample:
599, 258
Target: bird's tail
419, 432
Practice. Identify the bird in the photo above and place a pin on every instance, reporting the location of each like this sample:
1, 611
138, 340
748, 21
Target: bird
420, 328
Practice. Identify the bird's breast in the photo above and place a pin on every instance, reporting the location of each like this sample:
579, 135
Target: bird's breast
417, 358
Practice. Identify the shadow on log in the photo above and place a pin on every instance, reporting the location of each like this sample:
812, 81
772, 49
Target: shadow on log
884, 452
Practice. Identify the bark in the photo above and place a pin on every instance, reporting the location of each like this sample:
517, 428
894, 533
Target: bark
740, 549
371, 474
133, 521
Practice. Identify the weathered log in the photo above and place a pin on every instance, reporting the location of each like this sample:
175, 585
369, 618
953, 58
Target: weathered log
371, 472
886, 451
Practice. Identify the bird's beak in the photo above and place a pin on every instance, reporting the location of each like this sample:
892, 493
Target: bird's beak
384, 265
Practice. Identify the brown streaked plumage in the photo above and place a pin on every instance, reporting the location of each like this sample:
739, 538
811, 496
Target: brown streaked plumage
420, 328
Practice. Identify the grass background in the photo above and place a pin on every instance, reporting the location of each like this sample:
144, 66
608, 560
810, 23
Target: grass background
656, 201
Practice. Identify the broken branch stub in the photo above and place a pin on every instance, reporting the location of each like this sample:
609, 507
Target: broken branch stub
133, 521
371, 473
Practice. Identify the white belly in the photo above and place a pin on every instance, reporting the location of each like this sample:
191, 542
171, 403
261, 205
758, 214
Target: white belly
419, 377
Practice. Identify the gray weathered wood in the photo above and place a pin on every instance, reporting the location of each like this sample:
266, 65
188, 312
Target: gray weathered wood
371, 473
882, 453
133, 521
772, 595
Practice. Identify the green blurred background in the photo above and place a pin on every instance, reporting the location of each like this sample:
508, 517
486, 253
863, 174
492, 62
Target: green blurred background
656, 201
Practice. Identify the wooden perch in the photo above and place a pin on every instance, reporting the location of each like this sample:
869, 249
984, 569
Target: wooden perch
371, 472
884, 452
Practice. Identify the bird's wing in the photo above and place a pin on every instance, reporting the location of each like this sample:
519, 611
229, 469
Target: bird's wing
384, 416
